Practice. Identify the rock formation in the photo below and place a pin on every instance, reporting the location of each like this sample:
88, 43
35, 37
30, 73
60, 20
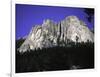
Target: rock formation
51, 34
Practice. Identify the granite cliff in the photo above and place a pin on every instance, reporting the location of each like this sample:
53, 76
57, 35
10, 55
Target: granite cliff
51, 34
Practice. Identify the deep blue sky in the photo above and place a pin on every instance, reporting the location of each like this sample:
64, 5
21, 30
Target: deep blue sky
28, 16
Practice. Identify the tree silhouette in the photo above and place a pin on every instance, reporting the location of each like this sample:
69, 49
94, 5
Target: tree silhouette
77, 38
79, 55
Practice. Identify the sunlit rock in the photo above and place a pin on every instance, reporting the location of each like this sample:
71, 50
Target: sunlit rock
51, 34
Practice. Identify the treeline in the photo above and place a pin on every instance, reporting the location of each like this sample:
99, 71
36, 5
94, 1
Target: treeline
76, 56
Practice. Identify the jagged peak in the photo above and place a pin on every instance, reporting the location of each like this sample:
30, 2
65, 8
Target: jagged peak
49, 34
72, 17
47, 21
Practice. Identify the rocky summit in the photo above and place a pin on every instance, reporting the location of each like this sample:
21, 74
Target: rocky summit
51, 34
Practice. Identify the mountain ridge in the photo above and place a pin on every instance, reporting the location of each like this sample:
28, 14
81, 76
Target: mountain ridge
51, 34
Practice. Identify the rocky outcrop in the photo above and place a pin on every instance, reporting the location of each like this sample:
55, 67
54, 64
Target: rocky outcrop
51, 34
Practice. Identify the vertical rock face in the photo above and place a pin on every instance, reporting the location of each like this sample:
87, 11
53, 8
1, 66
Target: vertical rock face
78, 31
51, 34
